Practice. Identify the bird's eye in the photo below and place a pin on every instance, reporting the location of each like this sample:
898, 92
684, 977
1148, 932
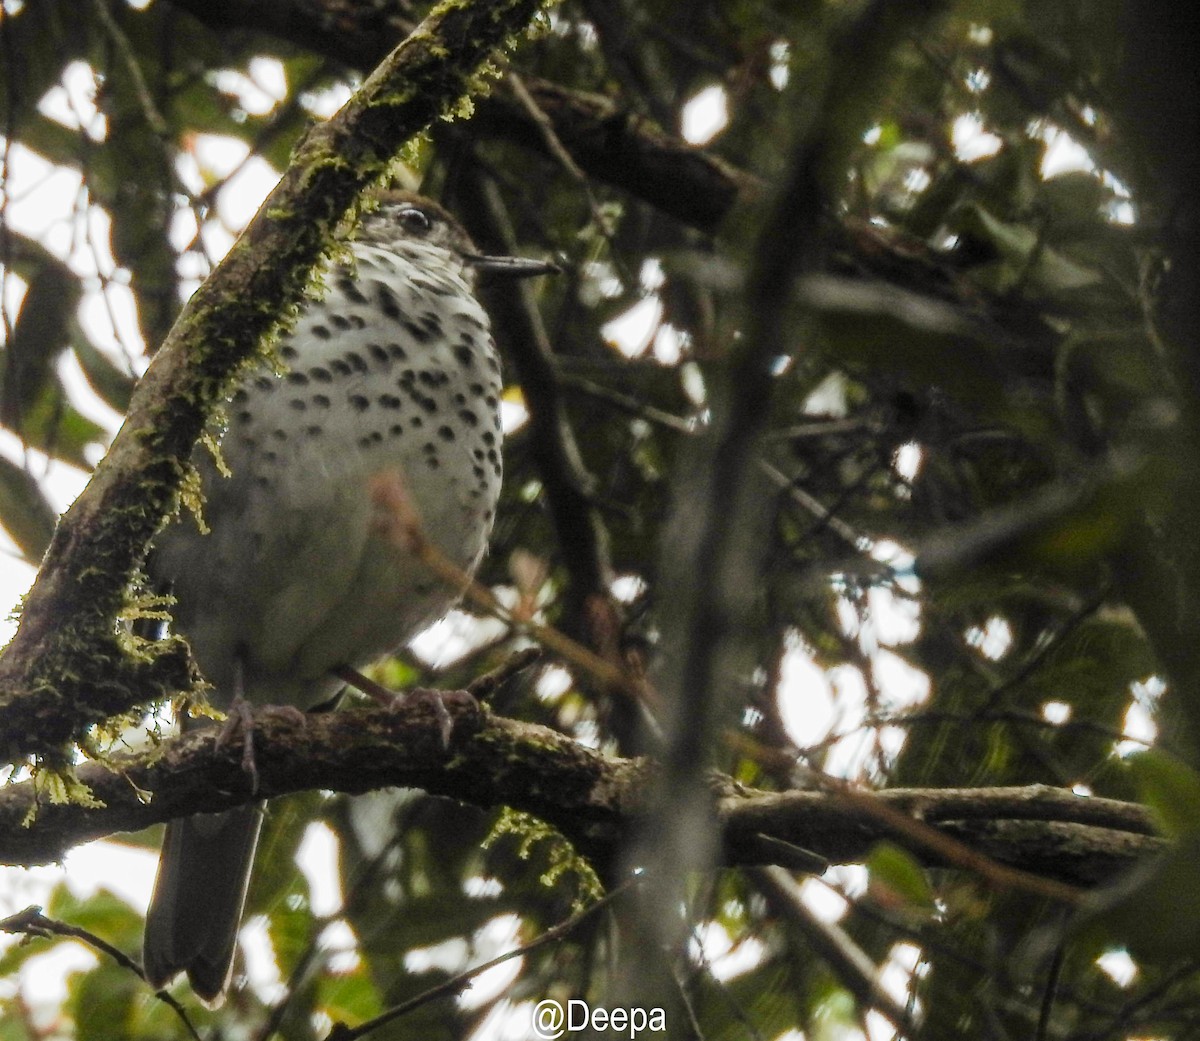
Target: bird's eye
414, 221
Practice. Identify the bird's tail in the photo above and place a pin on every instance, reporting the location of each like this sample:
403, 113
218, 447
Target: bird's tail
196, 909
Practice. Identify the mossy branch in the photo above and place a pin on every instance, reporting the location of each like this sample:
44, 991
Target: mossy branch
593, 799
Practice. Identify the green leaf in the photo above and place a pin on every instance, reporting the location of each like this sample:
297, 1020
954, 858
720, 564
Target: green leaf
105, 1002
112, 384
54, 426
1025, 260
290, 925
895, 878
1075, 201
103, 913
1170, 789
349, 997
1156, 919
26, 515
40, 333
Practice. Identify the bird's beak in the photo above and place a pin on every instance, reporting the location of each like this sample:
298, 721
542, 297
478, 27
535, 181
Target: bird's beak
510, 267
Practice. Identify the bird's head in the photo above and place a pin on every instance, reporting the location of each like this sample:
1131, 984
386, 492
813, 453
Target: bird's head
406, 221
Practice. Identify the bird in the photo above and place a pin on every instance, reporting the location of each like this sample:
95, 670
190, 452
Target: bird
387, 398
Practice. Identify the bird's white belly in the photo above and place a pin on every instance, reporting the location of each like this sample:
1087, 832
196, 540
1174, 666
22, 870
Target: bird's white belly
308, 564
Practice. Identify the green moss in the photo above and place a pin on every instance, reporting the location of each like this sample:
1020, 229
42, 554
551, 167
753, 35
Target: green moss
58, 786
191, 497
531, 831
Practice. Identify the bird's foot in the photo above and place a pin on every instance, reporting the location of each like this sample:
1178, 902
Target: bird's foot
240, 717
296, 716
436, 699
391, 699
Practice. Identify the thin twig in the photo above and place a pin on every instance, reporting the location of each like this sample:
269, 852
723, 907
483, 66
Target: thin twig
849, 962
555, 147
483, 687
340, 1032
31, 922
628, 403
408, 531
811, 505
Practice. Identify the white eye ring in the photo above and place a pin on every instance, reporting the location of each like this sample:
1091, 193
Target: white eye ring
415, 221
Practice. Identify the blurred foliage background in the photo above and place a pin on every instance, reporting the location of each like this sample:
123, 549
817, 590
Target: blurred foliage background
978, 565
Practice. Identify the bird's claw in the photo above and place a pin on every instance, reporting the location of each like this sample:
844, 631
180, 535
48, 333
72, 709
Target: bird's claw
437, 702
240, 717
390, 699
294, 715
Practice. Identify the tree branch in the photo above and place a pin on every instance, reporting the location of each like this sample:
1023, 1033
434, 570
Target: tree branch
849, 962
625, 150
594, 800
602, 136
67, 667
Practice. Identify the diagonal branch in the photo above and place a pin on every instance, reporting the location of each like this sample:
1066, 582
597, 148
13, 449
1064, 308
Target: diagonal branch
67, 668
